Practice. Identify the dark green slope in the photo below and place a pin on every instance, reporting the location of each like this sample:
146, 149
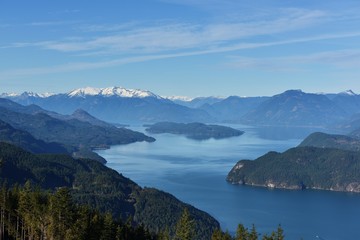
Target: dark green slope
98, 186
301, 167
77, 136
324, 140
26, 141
71, 132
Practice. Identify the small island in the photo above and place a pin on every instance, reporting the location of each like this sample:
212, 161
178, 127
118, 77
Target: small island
321, 161
198, 131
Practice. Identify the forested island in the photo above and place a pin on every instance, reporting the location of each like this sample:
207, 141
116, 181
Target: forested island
198, 131
321, 161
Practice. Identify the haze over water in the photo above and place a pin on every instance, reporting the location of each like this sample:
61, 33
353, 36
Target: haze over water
195, 172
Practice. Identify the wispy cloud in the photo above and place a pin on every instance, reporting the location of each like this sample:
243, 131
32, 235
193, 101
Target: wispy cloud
347, 57
50, 23
130, 38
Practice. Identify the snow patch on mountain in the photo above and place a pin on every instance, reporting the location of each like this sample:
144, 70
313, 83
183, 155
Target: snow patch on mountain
179, 98
26, 94
348, 93
112, 91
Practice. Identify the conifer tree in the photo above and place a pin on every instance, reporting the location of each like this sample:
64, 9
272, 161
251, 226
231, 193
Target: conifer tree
108, 228
253, 235
185, 227
241, 233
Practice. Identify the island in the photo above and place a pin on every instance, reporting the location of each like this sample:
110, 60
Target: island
324, 166
198, 131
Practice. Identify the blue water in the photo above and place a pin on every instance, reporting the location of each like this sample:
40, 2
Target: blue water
195, 172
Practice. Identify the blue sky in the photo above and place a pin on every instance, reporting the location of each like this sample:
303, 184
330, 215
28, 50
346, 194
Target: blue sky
181, 47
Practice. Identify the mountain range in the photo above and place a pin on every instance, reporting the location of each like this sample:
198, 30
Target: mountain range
41, 131
120, 105
114, 104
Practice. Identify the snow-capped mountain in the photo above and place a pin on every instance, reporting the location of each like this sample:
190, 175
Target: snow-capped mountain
114, 104
348, 93
26, 94
178, 98
112, 91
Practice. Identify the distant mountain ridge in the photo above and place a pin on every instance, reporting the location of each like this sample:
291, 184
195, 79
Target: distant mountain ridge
116, 105
296, 108
112, 91
121, 105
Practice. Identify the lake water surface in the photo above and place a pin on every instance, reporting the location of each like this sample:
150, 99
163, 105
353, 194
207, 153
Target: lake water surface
195, 172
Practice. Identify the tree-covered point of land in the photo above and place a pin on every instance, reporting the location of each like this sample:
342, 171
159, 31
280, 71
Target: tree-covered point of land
301, 167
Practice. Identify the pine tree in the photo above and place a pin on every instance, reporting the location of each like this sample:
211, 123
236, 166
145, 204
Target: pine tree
62, 213
217, 235
185, 227
241, 233
108, 228
280, 233
165, 234
253, 235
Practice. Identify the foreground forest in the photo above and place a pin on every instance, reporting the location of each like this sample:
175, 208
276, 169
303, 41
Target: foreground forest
30, 213
57, 197
93, 184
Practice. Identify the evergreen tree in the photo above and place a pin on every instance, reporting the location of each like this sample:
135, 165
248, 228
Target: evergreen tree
62, 213
227, 236
217, 235
280, 233
108, 228
241, 233
165, 234
253, 235
185, 227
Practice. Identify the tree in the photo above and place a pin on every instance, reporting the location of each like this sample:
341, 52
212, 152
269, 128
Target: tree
241, 233
165, 234
253, 235
108, 228
280, 233
62, 213
217, 235
185, 227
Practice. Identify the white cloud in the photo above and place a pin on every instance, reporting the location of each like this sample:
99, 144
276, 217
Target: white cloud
130, 38
347, 58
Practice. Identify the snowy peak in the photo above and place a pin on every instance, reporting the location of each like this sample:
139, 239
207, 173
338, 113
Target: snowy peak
82, 92
348, 93
179, 98
38, 95
112, 91
26, 94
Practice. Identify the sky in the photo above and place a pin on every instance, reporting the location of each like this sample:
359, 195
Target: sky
181, 47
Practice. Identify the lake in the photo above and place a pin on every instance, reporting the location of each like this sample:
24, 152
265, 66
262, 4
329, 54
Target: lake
195, 171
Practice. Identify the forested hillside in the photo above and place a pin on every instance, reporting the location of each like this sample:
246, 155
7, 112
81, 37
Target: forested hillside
93, 184
301, 168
